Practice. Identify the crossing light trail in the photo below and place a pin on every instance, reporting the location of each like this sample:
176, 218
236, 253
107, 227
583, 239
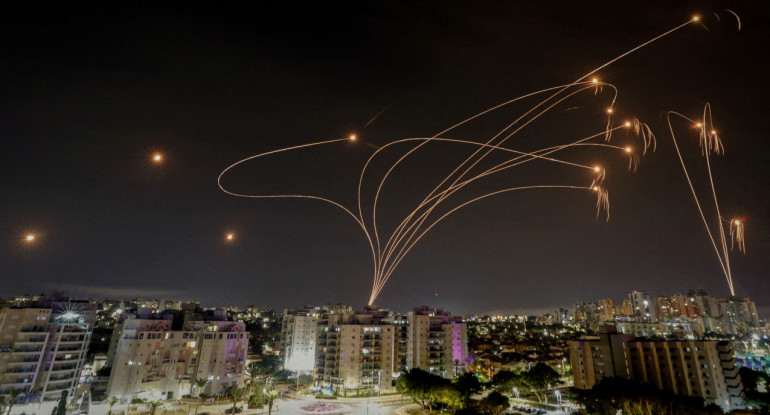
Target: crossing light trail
710, 143
389, 247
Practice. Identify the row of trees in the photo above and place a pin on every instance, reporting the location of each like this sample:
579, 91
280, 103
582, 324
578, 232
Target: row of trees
613, 394
432, 391
537, 381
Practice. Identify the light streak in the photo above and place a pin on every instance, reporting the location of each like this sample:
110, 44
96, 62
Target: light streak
387, 253
711, 143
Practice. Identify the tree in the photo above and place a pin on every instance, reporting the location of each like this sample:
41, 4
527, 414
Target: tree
268, 365
13, 395
468, 384
451, 397
613, 394
495, 402
253, 371
752, 380
256, 400
200, 383
539, 379
505, 380
153, 406
235, 393
61, 406
270, 395
111, 401
422, 386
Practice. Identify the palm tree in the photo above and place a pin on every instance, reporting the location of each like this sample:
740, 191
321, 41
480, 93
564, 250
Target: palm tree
200, 383
13, 395
153, 405
270, 396
111, 401
253, 371
236, 395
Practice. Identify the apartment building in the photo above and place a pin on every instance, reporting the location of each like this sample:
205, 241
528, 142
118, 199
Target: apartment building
437, 342
356, 351
298, 338
159, 356
704, 369
43, 346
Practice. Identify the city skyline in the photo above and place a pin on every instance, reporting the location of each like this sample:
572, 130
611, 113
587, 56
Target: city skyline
118, 123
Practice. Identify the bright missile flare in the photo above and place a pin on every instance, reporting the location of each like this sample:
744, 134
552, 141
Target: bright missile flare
595, 80
628, 149
352, 137
597, 168
695, 18
628, 123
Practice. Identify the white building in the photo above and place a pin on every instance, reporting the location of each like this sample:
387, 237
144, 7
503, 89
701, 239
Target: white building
298, 338
151, 359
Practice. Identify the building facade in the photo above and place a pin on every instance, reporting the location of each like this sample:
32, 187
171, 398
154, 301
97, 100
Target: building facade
704, 369
156, 358
43, 346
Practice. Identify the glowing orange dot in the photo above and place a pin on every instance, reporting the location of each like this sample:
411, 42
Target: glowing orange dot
596, 188
230, 237
30, 237
352, 137
628, 149
713, 131
695, 18
609, 110
595, 80
157, 157
737, 222
699, 125
628, 124
597, 168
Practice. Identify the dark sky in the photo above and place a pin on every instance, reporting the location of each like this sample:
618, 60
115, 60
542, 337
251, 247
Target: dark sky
89, 92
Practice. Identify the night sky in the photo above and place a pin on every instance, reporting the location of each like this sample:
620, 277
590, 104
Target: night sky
90, 92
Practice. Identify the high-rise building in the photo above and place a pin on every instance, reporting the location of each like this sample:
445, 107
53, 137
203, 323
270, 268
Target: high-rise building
159, 356
356, 351
367, 349
606, 309
436, 342
704, 369
739, 315
643, 307
298, 338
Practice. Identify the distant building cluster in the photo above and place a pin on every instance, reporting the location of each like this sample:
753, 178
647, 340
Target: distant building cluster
367, 349
693, 315
699, 368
